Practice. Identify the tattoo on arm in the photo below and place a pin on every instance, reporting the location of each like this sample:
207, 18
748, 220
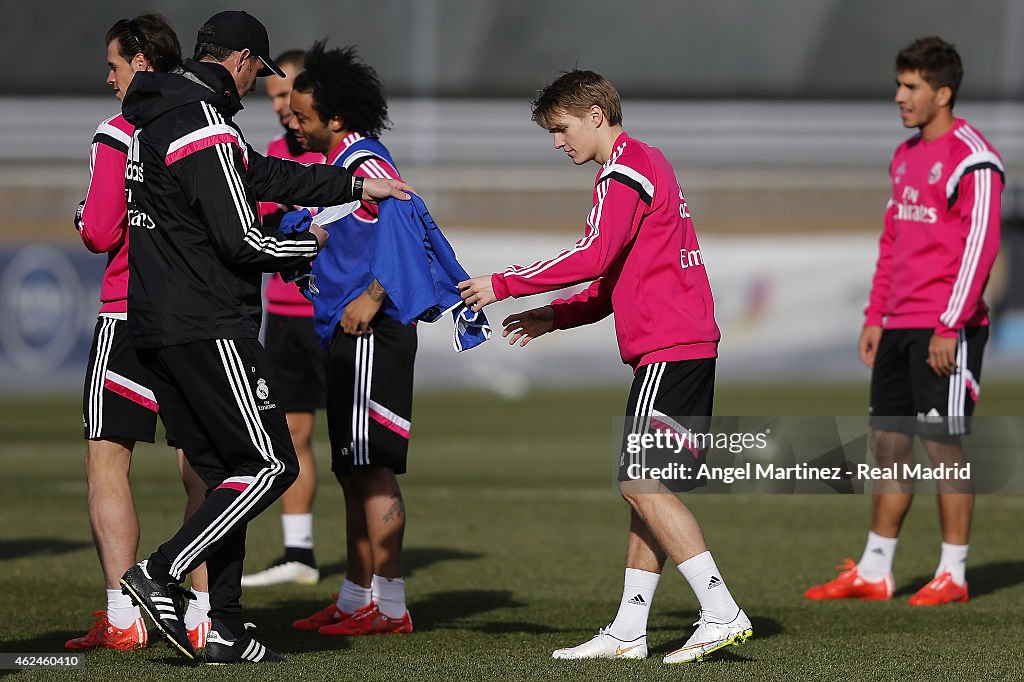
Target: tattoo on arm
397, 510
376, 291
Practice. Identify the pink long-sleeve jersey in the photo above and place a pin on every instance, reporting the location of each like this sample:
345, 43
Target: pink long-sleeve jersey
641, 251
941, 234
284, 298
103, 223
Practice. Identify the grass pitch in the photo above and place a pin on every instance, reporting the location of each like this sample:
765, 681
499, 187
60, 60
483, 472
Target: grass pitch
515, 544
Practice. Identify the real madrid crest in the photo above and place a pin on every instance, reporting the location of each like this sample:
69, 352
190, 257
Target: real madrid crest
262, 390
935, 173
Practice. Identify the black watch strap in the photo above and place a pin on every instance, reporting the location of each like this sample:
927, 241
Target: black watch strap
357, 188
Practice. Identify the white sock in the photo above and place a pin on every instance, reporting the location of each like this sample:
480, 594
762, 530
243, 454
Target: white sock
389, 593
352, 596
954, 560
120, 611
298, 530
876, 562
637, 594
707, 583
198, 610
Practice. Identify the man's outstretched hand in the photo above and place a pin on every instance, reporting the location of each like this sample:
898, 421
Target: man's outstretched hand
377, 189
528, 325
477, 292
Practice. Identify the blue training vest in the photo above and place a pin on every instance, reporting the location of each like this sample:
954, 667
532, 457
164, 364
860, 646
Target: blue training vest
342, 268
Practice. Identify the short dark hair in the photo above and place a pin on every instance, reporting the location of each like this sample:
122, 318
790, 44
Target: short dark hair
573, 93
344, 86
937, 60
148, 34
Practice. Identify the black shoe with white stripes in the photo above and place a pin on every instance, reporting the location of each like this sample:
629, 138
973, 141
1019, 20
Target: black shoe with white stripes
222, 651
163, 602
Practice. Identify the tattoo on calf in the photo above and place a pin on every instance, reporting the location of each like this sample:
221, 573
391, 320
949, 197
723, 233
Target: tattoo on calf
397, 510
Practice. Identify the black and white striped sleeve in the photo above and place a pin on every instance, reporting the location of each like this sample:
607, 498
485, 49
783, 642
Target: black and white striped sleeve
213, 177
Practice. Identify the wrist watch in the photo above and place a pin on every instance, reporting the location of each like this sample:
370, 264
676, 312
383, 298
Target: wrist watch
357, 188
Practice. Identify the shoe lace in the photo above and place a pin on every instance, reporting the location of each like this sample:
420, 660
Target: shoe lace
180, 596
848, 564
700, 618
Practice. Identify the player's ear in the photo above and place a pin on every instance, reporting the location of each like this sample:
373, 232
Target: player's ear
943, 96
243, 56
336, 124
596, 116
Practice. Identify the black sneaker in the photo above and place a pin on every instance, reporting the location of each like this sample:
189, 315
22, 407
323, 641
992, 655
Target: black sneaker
163, 603
245, 649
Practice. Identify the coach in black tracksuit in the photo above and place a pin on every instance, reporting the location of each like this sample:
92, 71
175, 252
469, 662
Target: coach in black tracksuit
197, 256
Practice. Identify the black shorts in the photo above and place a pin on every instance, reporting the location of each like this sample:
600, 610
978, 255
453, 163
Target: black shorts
298, 360
670, 399
908, 397
369, 396
118, 400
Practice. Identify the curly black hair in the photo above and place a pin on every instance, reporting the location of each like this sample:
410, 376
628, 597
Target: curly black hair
344, 86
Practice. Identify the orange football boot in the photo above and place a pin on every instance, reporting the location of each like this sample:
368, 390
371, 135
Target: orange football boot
941, 589
104, 635
370, 621
850, 585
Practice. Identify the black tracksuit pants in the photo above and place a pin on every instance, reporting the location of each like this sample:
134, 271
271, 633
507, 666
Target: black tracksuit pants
217, 397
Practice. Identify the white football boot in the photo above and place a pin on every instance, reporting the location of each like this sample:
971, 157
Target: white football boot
712, 636
287, 572
603, 645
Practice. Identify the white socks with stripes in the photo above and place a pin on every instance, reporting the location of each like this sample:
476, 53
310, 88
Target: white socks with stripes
389, 593
352, 597
121, 612
708, 585
876, 562
637, 594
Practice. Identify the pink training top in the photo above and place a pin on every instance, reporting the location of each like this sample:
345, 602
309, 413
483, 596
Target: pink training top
103, 224
941, 234
284, 298
641, 250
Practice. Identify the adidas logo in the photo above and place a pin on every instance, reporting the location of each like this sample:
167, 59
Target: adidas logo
879, 551
638, 600
714, 582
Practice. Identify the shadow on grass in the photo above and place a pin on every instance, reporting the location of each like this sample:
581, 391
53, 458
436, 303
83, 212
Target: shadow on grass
26, 547
413, 559
763, 629
443, 609
982, 580
513, 627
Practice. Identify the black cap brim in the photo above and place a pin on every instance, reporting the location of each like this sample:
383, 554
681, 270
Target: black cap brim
270, 68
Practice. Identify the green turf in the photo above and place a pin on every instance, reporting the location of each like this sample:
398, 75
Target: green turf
514, 548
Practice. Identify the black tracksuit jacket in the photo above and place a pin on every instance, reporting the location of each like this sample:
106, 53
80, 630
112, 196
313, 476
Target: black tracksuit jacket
197, 248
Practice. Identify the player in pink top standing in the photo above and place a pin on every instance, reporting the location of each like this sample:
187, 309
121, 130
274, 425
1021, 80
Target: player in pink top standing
119, 406
926, 323
296, 355
641, 255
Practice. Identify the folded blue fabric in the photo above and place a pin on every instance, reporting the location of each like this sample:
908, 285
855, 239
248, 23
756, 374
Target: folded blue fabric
297, 221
